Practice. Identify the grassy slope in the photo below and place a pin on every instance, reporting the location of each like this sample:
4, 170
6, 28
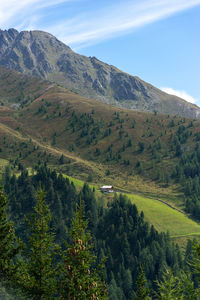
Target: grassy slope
165, 218
161, 216
31, 133
149, 129
3, 164
59, 105
16, 88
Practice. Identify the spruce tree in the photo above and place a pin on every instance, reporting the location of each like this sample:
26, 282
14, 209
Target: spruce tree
8, 247
176, 287
82, 279
142, 292
39, 273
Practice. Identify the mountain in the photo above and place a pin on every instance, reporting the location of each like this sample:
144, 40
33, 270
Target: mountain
17, 89
38, 53
155, 155
94, 136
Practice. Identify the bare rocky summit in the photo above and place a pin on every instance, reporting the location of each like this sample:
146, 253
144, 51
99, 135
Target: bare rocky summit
37, 53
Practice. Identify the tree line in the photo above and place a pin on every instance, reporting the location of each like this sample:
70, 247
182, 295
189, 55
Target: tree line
39, 268
137, 255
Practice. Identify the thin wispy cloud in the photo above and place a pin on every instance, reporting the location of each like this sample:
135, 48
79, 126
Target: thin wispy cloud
91, 25
118, 19
15, 12
182, 94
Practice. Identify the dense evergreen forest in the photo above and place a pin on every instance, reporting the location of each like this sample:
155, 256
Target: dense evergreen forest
139, 262
187, 173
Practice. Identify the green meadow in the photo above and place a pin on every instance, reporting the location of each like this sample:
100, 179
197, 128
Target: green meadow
79, 183
161, 216
3, 163
164, 218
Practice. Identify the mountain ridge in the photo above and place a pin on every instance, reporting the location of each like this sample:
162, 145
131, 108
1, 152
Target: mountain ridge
38, 53
135, 151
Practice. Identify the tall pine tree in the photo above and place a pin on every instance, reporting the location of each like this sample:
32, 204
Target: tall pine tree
176, 287
142, 292
39, 272
8, 247
82, 279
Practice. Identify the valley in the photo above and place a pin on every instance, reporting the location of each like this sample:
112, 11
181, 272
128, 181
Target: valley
163, 217
71, 124
89, 140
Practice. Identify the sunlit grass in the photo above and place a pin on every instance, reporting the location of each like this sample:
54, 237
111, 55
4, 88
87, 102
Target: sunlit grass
3, 162
165, 218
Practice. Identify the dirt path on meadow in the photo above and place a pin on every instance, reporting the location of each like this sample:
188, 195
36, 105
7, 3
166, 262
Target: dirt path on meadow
47, 147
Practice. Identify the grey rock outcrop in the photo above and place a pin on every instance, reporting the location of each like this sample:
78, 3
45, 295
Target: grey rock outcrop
38, 53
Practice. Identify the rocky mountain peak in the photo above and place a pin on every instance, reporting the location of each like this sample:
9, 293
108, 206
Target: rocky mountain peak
41, 54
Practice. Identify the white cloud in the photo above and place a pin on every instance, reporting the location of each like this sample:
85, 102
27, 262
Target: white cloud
182, 94
120, 18
14, 12
92, 25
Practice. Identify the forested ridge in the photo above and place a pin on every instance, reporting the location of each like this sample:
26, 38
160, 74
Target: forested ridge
93, 141
61, 241
119, 233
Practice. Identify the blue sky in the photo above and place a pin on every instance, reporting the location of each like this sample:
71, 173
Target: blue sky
157, 40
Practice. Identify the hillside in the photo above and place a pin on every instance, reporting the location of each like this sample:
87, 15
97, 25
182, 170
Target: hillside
138, 152
17, 89
141, 152
41, 54
68, 125
93, 137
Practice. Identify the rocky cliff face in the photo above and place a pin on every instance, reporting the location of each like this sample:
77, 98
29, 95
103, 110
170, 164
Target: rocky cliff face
40, 54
